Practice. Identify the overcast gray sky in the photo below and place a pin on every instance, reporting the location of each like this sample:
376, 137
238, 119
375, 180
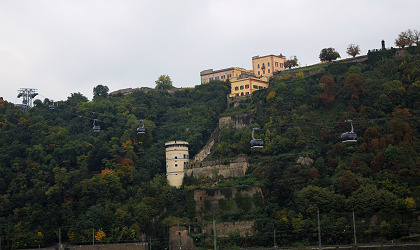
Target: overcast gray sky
66, 46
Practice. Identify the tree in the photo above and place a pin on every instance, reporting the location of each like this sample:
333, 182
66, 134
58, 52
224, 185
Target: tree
354, 85
406, 38
328, 54
164, 82
292, 62
100, 91
329, 87
416, 36
353, 50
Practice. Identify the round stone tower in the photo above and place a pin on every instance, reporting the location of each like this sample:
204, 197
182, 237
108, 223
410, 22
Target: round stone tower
176, 161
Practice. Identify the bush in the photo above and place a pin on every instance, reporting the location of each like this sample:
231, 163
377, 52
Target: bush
300, 75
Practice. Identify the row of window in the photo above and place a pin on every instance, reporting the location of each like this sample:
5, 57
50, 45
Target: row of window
176, 164
242, 94
176, 157
277, 64
247, 87
222, 77
264, 72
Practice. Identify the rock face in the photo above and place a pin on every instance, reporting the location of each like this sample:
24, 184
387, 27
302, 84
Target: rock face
236, 121
305, 160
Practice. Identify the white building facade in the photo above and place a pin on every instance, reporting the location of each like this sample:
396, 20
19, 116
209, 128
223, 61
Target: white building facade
176, 162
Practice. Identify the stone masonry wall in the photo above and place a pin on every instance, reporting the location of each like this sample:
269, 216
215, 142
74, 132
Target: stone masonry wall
235, 168
225, 229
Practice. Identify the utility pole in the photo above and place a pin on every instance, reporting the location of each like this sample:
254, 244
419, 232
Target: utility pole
214, 233
354, 229
319, 231
59, 238
93, 238
150, 243
179, 237
275, 244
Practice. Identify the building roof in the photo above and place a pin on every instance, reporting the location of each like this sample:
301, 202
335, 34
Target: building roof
211, 71
257, 57
170, 143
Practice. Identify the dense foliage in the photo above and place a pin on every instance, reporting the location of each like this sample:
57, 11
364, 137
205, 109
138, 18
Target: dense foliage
56, 173
378, 177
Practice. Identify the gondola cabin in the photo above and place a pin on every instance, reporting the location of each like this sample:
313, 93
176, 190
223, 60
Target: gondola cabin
141, 130
96, 128
349, 137
257, 143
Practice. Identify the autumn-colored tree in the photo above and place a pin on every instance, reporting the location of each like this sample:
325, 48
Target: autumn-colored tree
353, 85
353, 50
405, 38
378, 162
313, 173
100, 235
348, 183
328, 86
399, 125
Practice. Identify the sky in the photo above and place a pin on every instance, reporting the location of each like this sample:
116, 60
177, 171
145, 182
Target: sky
60, 47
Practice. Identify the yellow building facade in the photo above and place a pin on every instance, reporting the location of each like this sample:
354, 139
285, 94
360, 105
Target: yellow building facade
222, 74
244, 82
267, 65
245, 86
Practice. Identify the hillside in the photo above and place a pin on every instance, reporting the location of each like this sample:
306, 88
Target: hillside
57, 174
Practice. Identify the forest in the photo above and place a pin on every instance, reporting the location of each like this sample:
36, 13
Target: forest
60, 177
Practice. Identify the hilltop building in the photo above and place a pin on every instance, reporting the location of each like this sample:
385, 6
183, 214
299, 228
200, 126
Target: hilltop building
176, 162
243, 81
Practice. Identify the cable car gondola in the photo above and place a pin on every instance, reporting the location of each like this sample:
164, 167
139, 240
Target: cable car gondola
256, 143
141, 130
96, 128
349, 136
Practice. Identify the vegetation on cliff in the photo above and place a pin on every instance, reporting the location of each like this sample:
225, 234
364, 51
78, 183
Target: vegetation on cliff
57, 174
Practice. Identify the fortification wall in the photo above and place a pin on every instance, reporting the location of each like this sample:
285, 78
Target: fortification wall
235, 168
212, 197
225, 229
180, 238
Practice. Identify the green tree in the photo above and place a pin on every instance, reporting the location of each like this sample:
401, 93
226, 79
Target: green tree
328, 54
164, 82
353, 50
100, 91
291, 63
